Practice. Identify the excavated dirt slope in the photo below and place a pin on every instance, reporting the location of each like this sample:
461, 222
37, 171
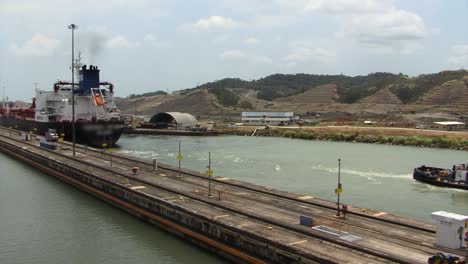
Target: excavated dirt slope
384, 96
453, 92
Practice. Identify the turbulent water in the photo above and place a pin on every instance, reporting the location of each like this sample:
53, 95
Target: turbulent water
373, 176
45, 221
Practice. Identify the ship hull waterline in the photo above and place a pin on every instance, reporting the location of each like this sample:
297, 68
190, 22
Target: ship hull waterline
98, 134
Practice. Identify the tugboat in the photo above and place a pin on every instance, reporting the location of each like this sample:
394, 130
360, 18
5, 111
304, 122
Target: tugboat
457, 177
97, 119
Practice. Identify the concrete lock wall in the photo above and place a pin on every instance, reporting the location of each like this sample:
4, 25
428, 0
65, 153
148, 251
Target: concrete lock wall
240, 239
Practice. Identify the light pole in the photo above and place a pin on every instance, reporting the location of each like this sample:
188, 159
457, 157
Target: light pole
209, 172
339, 189
179, 157
73, 27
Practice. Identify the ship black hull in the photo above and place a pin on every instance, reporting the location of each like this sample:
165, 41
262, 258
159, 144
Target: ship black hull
86, 133
422, 176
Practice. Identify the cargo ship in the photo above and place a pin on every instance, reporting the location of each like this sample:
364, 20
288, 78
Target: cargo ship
98, 121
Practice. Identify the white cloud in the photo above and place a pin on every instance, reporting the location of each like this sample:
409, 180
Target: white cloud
377, 24
335, 6
16, 8
220, 39
236, 54
154, 41
213, 22
459, 56
150, 38
114, 4
35, 8
262, 60
251, 41
38, 45
272, 21
120, 41
233, 55
300, 54
394, 28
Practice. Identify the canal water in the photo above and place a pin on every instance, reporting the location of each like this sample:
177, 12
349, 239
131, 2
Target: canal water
45, 221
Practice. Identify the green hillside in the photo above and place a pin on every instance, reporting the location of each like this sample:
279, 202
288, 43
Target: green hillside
350, 89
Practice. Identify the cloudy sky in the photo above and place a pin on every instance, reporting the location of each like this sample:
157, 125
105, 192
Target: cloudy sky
149, 45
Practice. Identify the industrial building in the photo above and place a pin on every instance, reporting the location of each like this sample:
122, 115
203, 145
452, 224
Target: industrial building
450, 125
269, 118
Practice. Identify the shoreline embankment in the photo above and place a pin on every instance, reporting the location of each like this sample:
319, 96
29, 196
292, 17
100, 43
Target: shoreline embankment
457, 140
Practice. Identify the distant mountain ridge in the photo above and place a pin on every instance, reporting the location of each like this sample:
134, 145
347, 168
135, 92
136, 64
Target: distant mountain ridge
299, 91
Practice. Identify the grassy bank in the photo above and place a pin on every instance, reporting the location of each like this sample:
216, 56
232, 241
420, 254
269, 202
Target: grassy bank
434, 142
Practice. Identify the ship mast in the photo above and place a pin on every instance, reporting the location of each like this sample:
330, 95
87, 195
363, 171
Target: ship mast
77, 65
3, 105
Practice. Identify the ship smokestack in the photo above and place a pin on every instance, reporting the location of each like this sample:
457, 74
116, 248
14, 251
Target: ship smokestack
89, 78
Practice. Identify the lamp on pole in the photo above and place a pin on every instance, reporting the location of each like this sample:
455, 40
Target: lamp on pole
73, 27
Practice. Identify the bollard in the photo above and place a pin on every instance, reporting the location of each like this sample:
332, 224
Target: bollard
344, 210
155, 164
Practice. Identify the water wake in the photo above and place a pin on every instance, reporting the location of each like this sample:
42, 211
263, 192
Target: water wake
139, 153
368, 174
277, 167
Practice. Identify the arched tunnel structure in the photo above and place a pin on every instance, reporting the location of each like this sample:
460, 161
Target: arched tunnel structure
173, 119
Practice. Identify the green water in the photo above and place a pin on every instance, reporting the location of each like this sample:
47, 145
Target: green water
373, 176
45, 221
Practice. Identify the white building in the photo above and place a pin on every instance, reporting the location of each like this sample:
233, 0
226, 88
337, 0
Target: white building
269, 118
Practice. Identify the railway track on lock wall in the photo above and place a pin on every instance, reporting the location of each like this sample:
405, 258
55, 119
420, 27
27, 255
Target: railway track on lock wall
411, 243
267, 222
147, 166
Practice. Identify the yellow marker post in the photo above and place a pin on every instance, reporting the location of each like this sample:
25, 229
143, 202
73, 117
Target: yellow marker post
110, 156
104, 145
339, 190
179, 157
